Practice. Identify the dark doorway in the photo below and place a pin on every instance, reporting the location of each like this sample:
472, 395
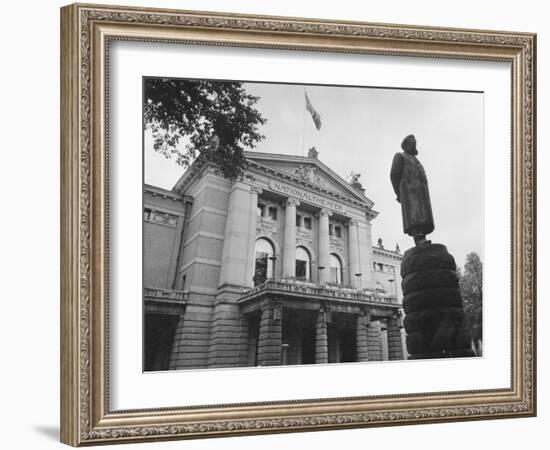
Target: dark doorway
308, 345
348, 344
158, 337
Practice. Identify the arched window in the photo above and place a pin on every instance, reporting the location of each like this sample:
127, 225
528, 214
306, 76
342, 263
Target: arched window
263, 268
303, 264
335, 269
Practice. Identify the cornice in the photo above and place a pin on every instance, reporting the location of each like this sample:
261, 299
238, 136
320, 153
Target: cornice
160, 192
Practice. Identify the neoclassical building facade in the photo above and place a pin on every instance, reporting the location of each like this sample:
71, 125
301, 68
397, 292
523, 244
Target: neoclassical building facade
277, 268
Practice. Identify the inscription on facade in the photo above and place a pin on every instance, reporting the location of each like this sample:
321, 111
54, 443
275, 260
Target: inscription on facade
303, 195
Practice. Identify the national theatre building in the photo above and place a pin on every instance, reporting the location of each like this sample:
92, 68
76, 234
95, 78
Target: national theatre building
277, 268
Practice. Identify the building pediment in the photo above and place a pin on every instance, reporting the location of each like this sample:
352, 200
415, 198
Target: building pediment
307, 170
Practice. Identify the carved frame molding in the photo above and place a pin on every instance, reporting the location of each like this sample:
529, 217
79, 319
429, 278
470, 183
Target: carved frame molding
86, 32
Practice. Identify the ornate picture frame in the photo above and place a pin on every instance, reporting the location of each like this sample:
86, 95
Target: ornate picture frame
87, 31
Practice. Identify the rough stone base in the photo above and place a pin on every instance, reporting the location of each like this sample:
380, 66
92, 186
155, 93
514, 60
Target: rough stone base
191, 341
435, 322
228, 344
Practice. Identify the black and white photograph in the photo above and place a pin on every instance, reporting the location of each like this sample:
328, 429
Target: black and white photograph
292, 224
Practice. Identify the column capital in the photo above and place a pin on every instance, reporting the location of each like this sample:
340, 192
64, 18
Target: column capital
291, 201
273, 308
325, 212
367, 316
398, 317
353, 222
257, 189
325, 313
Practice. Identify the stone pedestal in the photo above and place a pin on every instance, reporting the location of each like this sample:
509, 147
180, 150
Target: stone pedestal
435, 321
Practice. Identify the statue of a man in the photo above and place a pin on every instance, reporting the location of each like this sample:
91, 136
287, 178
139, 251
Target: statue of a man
410, 184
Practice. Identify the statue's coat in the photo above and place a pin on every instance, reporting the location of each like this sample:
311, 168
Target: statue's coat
410, 184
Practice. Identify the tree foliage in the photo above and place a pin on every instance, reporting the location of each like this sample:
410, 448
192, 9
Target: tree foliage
471, 289
214, 119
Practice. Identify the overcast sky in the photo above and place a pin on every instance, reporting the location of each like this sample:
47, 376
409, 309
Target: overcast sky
362, 128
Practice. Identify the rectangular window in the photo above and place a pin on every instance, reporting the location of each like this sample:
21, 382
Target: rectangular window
338, 232
330, 230
298, 221
272, 213
307, 223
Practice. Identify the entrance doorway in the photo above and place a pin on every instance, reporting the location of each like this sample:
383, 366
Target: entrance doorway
342, 338
299, 336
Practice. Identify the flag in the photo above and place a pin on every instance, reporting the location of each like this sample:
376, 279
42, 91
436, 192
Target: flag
314, 114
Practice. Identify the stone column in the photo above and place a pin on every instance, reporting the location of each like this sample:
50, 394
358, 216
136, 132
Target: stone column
365, 253
373, 341
353, 245
243, 342
324, 247
270, 337
251, 260
363, 321
289, 239
321, 338
395, 344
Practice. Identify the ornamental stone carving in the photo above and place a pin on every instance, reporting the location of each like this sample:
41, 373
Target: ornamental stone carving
309, 173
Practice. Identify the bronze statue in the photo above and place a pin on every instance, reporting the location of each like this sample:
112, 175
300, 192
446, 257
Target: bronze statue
410, 184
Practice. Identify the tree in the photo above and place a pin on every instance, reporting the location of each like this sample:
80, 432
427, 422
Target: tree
471, 289
214, 119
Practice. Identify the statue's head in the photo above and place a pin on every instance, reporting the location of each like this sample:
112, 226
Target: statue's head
409, 145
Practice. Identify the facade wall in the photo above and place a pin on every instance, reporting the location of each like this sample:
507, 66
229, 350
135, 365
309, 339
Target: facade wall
163, 225
386, 266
